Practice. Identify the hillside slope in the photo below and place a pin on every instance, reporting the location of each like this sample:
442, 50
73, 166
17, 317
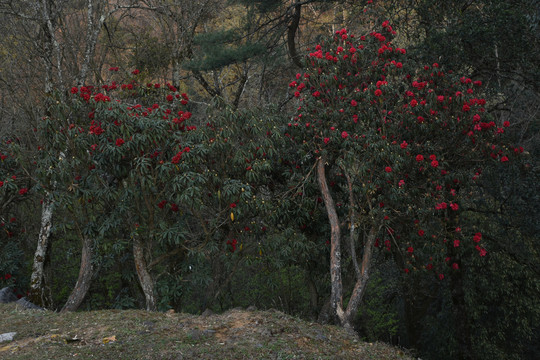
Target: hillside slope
138, 334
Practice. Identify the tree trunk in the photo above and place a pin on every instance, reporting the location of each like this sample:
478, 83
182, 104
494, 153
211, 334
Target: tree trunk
291, 33
336, 295
37, 280
85, 276
147, 284
345, 317
361, 281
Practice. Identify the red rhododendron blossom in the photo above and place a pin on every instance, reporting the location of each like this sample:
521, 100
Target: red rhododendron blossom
120, 142
477, 237
404, 145
378, 92
454, 206
419, 158
456, 243
401, 183
326, 140
344, 135
421, 232
441, 206
74, 90
1, 183
410, 249
135, 72
170, 97
174, 207
162, 204
481, 251
441, 276
434, 163
176, 158
232, 206
388, 169
455, 266
353, 103
506, 123
504, 159
23, 191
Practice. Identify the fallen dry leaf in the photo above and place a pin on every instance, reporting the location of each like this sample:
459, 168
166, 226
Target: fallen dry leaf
109, 339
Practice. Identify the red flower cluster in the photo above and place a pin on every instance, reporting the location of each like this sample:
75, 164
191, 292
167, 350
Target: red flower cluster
233, 244
176, 158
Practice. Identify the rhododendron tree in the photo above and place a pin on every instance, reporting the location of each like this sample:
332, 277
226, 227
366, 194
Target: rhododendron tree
135, 165
404, 145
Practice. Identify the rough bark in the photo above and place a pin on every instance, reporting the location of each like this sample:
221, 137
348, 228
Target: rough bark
345, 316
49, 20
361, 281
146, 281
37, 280
86, 271
336, 295
291, 33
92, 34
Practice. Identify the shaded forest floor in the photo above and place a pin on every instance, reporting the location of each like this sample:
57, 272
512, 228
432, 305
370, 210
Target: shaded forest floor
138, 334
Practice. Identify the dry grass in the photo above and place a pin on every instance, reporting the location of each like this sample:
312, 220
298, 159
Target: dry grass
137, 334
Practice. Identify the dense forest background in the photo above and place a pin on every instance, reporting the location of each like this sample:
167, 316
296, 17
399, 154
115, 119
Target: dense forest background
243, 221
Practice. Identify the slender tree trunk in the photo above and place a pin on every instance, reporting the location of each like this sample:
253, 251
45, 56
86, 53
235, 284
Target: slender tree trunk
336, 295
37, 293
37, 280
147, 284
86, 271
345, 316
361, 281
291, 33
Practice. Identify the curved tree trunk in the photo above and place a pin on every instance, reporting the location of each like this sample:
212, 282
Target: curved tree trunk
37, 293
85, 276
345, 316
147, 284
291, 33
336, 295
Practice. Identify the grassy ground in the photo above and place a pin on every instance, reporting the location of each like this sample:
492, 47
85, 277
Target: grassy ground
137, 334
